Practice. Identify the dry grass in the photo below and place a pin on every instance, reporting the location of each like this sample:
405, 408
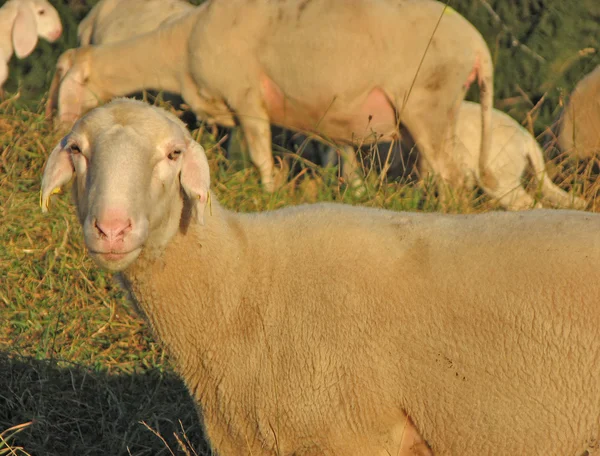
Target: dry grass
81, 374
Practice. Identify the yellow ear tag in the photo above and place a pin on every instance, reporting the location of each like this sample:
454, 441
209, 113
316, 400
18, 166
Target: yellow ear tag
209, 203
449, 10
56, 191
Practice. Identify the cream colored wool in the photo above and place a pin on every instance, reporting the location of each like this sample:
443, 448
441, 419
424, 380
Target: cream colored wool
579, 133
316, 329
349, 74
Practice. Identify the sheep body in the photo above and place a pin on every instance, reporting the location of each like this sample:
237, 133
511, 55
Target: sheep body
225, 61
579, 133
111, 21
21, 22
481, 328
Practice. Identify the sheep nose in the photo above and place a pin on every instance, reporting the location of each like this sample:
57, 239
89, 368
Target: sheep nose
113, 229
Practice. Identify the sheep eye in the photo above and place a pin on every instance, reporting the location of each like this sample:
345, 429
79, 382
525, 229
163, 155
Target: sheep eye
41, 12
74, 149
174, 155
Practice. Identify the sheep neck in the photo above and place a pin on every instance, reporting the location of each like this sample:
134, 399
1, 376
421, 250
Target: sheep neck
155, 60
180, 291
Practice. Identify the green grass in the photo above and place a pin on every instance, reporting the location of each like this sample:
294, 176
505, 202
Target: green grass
79, 370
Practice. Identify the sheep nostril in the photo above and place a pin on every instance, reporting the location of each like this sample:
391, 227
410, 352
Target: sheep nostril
101, 233
113, 230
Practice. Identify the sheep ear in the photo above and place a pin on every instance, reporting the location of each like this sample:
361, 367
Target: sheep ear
59, 171
195, 178
24, 32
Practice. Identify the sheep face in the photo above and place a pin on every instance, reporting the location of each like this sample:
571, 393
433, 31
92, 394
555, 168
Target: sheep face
47, 19
77, 93
131, 179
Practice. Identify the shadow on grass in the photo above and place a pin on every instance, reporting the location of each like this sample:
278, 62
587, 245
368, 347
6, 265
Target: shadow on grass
78, 411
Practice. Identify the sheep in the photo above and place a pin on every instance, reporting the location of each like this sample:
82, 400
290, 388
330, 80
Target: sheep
479, 334
382, 60
21, 22
512, 146
111, 21
579, 131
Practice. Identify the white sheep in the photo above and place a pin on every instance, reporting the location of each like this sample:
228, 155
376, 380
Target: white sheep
579, 133
21, 22
381, 61
513, 147
483, 329
111, 21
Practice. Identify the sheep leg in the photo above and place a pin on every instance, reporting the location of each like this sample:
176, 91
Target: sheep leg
254, 121
411, 442
3, 74
351, 169
439, 160
559, 197
512, 196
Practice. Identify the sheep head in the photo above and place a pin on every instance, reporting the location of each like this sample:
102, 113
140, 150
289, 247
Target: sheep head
74, 91
34, 18
134, 166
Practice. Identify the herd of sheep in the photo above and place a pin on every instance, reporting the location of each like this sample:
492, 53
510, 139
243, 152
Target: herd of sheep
331, 329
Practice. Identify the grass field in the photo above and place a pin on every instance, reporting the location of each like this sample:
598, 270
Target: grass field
80, 373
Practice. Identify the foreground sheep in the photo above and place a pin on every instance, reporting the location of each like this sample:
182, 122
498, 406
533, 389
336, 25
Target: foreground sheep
579, 133
348, 73
484, 329
21, 22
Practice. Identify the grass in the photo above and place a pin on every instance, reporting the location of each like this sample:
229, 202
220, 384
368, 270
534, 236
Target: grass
80, 372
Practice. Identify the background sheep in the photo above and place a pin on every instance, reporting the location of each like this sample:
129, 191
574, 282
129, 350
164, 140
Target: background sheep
579, 133
202, 57
111, 21
504, 362
21, 22
512, 148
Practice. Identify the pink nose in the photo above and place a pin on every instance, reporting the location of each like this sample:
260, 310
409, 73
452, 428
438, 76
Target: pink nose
56, 34
112, 229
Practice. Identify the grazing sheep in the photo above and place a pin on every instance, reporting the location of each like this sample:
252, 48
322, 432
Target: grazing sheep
512, 148
21, 22
350, 74
579, 133
484, 329
111, 21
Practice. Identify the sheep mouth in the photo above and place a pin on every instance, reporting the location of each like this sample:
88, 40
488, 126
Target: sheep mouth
115, 260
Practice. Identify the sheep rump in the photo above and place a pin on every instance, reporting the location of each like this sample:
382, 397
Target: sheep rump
482, 328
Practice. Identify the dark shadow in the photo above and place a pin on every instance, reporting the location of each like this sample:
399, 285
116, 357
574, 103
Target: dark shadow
79, 411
